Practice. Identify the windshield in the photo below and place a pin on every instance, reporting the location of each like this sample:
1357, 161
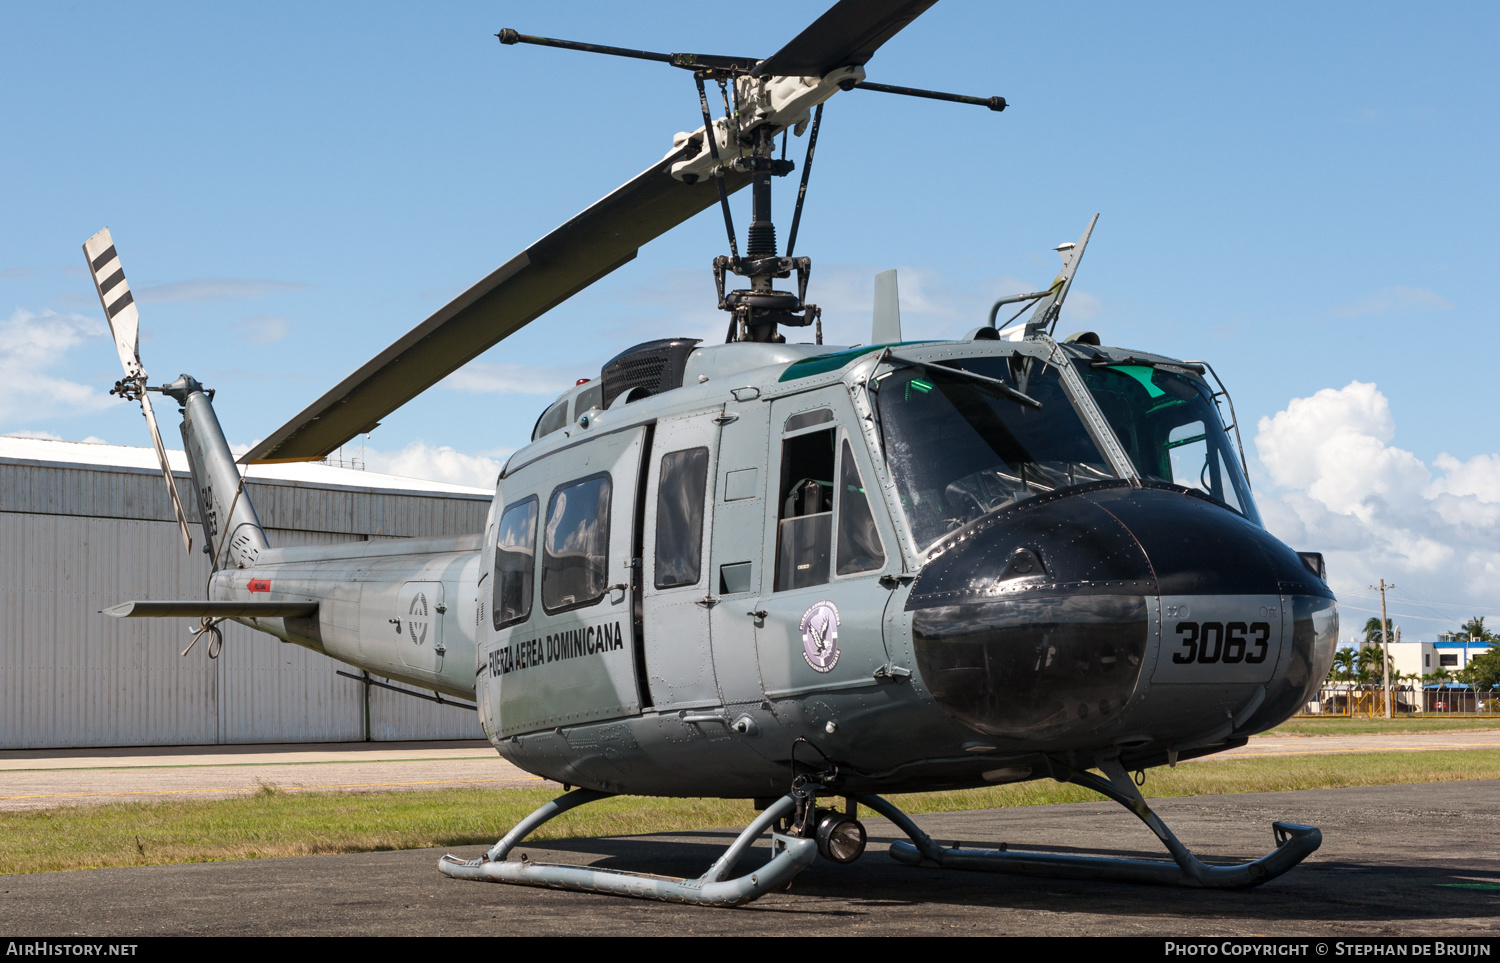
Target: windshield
959, 448
1170, 427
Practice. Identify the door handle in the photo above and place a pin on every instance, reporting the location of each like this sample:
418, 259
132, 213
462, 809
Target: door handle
758, 614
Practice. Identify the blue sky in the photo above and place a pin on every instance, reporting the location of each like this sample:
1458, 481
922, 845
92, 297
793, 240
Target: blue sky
1301, 194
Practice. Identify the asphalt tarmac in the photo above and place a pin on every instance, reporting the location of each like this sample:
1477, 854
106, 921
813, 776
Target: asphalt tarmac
45, 778
1396, 861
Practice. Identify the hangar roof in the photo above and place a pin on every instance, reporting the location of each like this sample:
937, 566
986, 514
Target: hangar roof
46, 452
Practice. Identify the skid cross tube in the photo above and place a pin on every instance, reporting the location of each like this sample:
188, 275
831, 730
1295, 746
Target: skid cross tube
1294, 843
790, 856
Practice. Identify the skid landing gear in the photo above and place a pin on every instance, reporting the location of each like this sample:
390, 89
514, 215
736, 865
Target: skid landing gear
1294, 843
790, 856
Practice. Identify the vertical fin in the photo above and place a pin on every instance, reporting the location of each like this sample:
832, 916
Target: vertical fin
231, 528
886, 328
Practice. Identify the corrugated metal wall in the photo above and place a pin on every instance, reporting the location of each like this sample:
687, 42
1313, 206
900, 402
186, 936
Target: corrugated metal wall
75, 540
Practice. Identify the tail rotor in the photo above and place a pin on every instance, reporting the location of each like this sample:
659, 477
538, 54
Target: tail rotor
124, 323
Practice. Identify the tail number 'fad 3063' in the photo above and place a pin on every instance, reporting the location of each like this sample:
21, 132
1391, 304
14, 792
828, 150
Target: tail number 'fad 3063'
1219, 638
1232, 642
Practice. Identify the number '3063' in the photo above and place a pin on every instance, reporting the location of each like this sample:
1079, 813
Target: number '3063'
1208, 643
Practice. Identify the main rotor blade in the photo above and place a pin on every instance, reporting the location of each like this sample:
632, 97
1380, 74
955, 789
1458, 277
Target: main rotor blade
848, 33
575, 255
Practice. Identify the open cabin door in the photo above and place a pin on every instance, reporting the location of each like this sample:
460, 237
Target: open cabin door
564, 650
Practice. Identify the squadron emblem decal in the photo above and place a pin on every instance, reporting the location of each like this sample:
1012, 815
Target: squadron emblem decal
820, 636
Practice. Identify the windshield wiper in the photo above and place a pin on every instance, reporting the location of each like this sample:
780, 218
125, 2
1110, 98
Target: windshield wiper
1020, 397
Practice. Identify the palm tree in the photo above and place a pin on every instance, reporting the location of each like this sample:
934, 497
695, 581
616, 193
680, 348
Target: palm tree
1343, 665
1372, 630
1474, 629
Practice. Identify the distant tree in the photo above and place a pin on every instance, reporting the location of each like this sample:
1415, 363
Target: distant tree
1368, 664
1483, 670
1372, 630
1473, 629
1342, 669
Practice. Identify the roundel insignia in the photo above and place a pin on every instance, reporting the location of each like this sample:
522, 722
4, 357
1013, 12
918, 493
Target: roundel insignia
418, 618
820, 636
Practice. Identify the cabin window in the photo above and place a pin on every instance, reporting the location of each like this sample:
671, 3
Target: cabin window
805, 521
679, 517
808, 419
551, 420
575, 556
588, 399
1168, 422
960, 448
515, 563
859, 542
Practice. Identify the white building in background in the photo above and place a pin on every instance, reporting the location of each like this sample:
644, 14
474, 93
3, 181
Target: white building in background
85, 526
1425, 658
1413, 658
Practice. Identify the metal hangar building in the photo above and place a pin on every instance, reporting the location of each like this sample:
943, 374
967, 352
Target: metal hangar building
84, 526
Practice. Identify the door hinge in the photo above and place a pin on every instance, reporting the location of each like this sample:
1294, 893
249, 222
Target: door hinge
708, 601
892, 672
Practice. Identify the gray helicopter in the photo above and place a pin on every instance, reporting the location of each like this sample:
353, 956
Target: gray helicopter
798, 573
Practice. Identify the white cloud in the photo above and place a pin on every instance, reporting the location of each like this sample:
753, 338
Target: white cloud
484, 377
441, 463
1393, 300
30, 345
261, 329
214, 289
17, 274
1376, 510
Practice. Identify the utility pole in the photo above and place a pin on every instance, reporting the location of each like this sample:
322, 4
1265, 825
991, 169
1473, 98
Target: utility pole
1385, 648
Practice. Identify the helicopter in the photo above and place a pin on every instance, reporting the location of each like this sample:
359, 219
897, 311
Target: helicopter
802, 574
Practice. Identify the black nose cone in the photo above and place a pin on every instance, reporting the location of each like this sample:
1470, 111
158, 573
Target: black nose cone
1034, 621
1199, 547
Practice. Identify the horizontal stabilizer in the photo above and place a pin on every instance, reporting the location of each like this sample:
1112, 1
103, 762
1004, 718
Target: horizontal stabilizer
191, 609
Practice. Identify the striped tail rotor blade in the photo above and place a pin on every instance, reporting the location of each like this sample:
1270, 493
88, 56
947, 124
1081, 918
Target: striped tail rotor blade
119, 303
125, 324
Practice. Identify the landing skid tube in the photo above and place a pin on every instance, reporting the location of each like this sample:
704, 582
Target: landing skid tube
1294, 843
790, 857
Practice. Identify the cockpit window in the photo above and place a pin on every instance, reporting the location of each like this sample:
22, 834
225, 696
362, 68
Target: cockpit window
1170, 427
959, 447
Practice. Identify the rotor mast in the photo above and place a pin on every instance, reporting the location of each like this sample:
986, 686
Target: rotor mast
770, 97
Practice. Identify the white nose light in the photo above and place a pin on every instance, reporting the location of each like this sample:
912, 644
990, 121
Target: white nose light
840, 838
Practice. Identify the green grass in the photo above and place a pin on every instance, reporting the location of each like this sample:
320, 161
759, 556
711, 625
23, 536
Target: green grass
1337, 726
274, 822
